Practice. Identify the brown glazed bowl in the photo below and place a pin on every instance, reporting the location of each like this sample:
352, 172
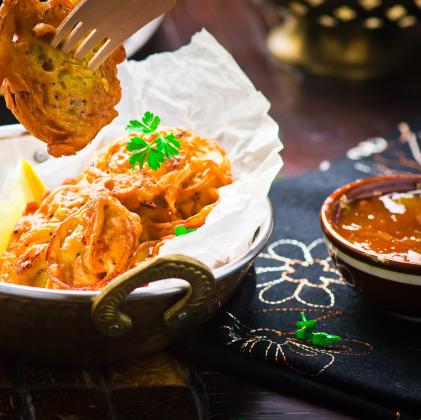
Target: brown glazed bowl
391, 285
77, 327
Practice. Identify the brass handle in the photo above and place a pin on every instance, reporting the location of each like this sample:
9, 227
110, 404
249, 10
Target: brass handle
111, 321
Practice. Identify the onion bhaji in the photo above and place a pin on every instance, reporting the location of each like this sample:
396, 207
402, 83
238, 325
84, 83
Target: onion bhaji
88, 231
53, 95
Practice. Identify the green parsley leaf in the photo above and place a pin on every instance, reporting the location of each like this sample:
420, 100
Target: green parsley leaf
138, 158
155, 123
303, 334
307, 328
155, 152
135, 127
323, 339
181, 230
169, 146
306, 333
148, 118
137, 144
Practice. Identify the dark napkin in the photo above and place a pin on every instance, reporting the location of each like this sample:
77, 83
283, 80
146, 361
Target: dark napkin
375, 370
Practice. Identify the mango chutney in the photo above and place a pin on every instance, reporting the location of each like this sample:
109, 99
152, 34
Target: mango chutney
388, 225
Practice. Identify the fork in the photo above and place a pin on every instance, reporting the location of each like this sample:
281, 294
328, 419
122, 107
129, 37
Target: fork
116, 20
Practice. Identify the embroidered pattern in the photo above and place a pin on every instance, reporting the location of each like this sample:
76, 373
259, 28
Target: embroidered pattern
300, 286
390, 157
292, 277
284, 348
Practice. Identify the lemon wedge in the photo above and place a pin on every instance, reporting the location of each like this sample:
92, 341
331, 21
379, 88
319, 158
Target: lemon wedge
24, 186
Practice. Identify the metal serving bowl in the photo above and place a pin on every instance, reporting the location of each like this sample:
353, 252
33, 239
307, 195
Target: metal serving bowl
54, 326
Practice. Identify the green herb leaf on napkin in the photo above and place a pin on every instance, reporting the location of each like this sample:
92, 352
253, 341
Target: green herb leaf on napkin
306, 332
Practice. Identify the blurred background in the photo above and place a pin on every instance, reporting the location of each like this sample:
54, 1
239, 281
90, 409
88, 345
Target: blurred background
336, 72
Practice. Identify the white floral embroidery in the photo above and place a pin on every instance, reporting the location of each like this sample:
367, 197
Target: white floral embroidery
287, 269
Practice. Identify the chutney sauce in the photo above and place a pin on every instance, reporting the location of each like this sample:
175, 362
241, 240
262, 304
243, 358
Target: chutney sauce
388, 225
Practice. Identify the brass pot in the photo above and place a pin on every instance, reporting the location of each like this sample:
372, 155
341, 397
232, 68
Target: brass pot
353, 39
72, 327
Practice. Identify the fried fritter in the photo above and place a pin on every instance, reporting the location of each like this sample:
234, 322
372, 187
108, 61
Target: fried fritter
24, 263
180, 193
93, 246
57, 206
84, 252
53, 95
88, 231
202, 163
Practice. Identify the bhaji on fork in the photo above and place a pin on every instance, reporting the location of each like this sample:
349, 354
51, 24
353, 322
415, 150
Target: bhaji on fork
53, 95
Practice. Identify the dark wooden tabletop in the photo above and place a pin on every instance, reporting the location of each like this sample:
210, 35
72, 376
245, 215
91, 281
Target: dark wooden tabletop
319, 119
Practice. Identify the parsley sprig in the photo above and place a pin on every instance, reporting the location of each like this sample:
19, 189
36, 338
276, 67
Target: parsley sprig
181, 230
154, 152
306, 333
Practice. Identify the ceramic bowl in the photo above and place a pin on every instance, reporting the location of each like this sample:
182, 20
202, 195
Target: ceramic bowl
389, 284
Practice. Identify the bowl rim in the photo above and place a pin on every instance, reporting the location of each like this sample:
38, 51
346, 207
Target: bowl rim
162, 287
347, 247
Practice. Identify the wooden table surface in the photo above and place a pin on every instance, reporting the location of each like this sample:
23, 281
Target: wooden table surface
319, 119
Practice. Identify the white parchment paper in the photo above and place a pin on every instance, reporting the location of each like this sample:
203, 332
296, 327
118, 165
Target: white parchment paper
202, 87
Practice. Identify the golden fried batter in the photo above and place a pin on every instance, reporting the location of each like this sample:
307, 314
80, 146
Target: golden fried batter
93, 246
54, 96
87, 232
25, 262
180, 193
57, 206
202, 163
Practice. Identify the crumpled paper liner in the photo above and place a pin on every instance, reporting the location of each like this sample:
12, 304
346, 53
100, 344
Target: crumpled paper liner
202, 87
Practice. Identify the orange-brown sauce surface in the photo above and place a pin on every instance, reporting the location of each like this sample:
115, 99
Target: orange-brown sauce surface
388, 225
